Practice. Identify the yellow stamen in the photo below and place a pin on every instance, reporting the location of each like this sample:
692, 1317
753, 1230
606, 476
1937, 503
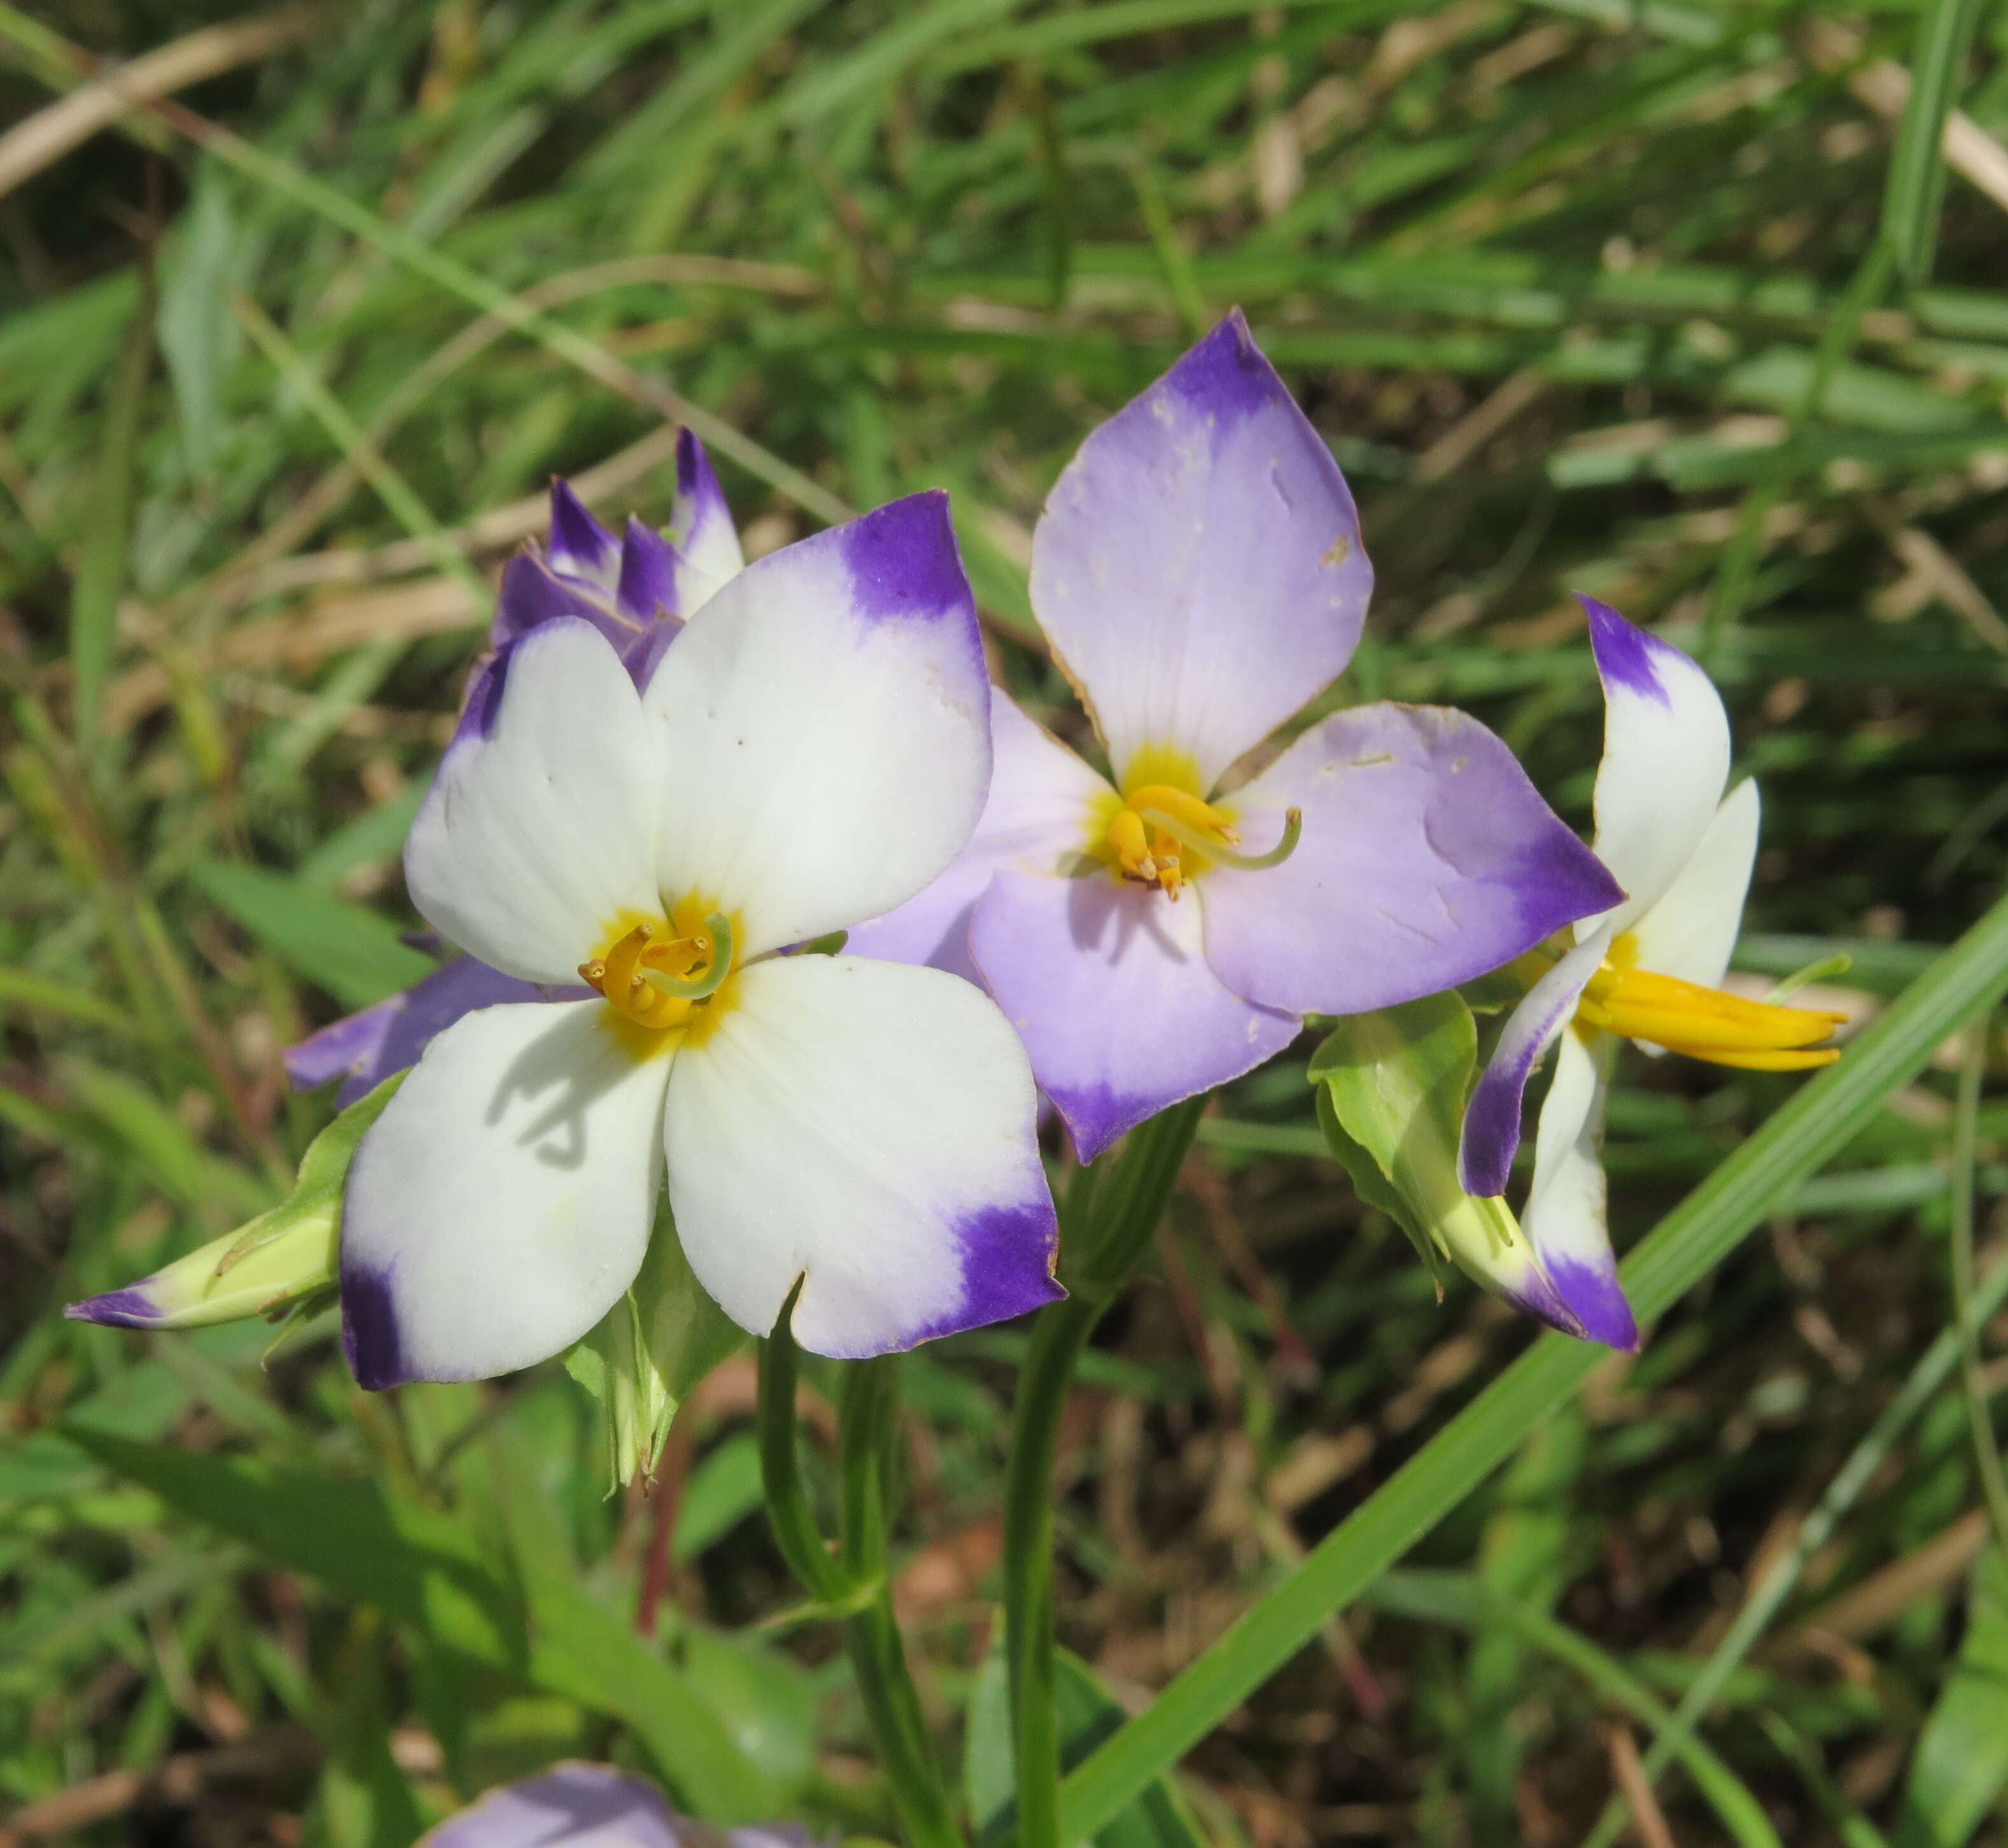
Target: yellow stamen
1181, 806
621, 975
1161, 834
1704, 1023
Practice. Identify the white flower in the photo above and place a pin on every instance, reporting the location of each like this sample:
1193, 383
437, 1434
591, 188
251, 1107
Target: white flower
1647, 971
813, 750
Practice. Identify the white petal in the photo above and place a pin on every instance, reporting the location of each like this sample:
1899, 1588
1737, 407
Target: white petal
540, 830
1041, 798
1691, 931
503, 1201
1565, 1219
1665, 759
872, 1126
824, 725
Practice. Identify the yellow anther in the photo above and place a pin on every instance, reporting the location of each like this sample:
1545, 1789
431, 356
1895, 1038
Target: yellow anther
1706, 1023
1127, 837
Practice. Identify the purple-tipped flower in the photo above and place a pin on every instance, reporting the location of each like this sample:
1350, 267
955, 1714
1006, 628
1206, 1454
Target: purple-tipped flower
1199, 572
591, 1806
813, 750
1646, 971
637, 589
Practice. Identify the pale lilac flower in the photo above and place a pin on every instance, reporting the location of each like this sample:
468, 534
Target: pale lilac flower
638, 591
591, 1806
813, 750
1199, 572
1646, 971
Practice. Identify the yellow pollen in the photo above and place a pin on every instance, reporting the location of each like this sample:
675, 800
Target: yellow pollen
1704, 1023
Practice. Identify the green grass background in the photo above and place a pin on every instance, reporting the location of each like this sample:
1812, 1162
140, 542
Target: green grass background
283, 367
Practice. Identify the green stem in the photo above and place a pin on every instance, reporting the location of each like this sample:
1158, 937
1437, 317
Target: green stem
871, 1401
1108, 1221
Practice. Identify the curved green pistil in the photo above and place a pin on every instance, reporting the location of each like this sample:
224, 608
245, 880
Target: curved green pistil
716, 971
1211, 848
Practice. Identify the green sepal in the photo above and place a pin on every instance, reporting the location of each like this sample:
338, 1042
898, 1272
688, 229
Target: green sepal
1391, 1091
649, 1351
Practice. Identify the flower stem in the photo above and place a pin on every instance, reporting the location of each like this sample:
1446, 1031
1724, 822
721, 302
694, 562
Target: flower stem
1107, 1223
855, 1576
869, 1444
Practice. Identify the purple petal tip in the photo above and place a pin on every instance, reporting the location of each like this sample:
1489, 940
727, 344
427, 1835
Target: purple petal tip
578, 541
129, 1308
1226, 377
1597, 1302
369, 1335
1007, 1260
1625, 654
904, 563
693, 465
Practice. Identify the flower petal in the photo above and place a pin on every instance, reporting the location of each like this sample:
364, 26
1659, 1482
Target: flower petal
570, 1805
503, 1201
822, 725
1199, 565
1040, 796
1565, 1219
1426, 858
1690, 933
366, 1048
701, 528
1666, 758
539, 828
1491, 1135
869, 1128
1109, 989
581, 547
533, 593
646, 593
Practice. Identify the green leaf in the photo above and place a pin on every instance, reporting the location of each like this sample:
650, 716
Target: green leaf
24, 988
106, 533
179, 1163
1820, 1121
352, 952
198, 335
375, 836
420, 1567
722, 1491
1916, 184
414, 1565
1961, 1766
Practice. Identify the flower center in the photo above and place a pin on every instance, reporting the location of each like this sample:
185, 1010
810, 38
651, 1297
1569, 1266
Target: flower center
1160, 835
1705, 1023
655, 978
